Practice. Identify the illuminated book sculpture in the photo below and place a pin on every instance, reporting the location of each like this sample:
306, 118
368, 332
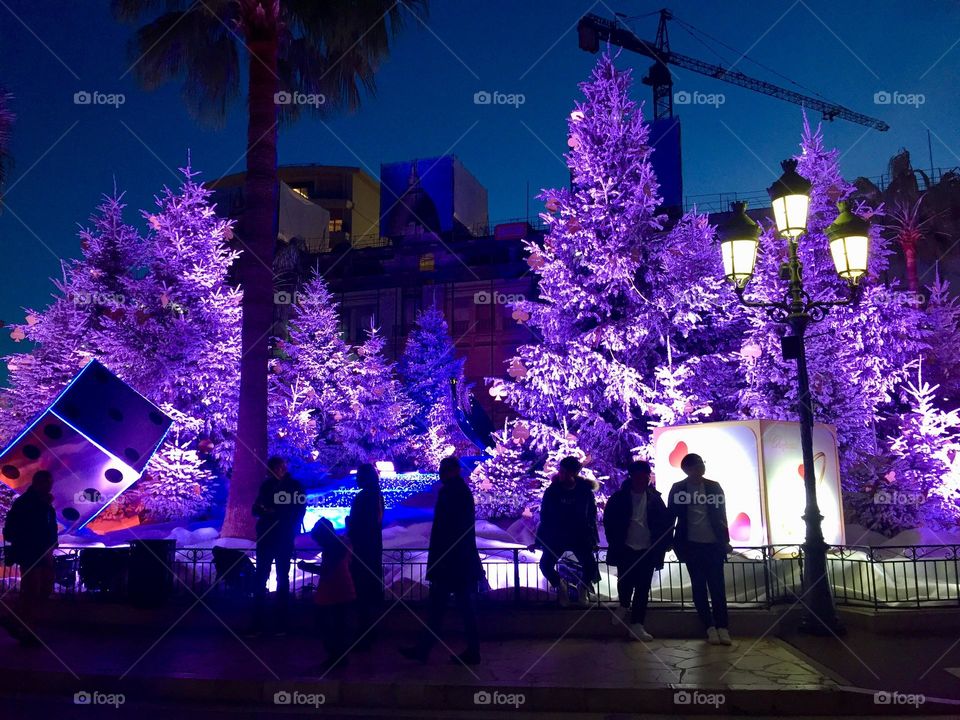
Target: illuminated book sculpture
759, 465
95, 439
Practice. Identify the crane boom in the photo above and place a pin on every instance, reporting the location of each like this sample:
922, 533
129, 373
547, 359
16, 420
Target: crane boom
593, 29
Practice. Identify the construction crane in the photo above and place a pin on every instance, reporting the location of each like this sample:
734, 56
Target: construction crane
593, 30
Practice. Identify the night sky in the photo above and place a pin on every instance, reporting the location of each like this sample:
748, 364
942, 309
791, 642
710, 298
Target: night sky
67, 155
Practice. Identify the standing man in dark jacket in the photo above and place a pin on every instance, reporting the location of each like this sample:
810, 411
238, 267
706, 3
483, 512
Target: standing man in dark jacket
279, 509
568, 522
365, 530
31, 532
639, 530
702, 542
453, 565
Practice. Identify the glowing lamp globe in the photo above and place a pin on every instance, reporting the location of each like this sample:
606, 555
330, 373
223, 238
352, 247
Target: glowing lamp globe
849, 237
738, 245
790, 198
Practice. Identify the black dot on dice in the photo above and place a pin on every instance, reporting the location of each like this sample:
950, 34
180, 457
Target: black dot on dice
156, 418
115, 414
11, 471
70, 514
113, 475
42, 476
32, 451
53, 431
91, 495
131, 454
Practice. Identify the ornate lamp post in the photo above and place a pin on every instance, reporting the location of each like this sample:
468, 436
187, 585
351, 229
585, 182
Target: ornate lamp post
849, 246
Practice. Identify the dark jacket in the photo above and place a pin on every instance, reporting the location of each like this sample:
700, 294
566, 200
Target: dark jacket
453, 560
365, 524
365, 530
568, 517
616, 524
30, 528
679, 501
279, 509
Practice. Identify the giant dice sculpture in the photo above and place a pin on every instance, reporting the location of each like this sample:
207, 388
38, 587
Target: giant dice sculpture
95, 439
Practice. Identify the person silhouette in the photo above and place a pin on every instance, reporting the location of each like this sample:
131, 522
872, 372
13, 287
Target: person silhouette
31, 531
702, 542
365, 530
568, 521
453, 565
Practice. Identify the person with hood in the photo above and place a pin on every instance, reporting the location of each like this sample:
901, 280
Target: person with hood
639, 532
453, 565
31, 532
279, 509
568, 522
365, 530
702, 543
335, 592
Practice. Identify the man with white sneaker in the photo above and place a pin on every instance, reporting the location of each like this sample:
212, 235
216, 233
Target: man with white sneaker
702, 543
639, 530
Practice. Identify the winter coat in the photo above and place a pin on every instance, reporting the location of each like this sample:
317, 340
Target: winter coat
279, 509
30, 528
678, 504
365, 530
616, 523
334, 580
568, 517
453, 560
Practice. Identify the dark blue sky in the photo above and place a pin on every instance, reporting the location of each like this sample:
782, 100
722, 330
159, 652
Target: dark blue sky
67, 155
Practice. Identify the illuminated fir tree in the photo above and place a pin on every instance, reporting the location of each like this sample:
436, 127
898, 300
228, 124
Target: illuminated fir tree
859, 355
428, 368
308, 381
619, 306
377, 425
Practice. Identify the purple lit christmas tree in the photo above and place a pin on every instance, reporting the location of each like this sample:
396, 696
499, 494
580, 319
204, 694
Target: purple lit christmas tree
618, 312
157, 310
308, 379
428, 367
859, 355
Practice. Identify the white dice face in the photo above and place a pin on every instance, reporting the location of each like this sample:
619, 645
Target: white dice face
85, 478
94, 441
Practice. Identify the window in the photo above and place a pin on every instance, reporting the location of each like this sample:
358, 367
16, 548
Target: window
302, 189
426, 262
335, 225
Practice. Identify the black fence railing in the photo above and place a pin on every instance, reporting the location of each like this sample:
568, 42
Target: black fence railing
756, 577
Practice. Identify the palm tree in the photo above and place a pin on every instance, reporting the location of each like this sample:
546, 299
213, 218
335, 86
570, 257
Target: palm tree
331, 49
908, 232
6, 124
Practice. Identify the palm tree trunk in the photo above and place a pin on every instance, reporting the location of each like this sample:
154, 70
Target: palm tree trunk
258, 237
910, 257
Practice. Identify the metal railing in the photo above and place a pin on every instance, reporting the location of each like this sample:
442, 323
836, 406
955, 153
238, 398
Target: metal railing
756, 577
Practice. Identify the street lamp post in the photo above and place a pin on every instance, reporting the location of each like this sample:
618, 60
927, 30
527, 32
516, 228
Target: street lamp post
849, 246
